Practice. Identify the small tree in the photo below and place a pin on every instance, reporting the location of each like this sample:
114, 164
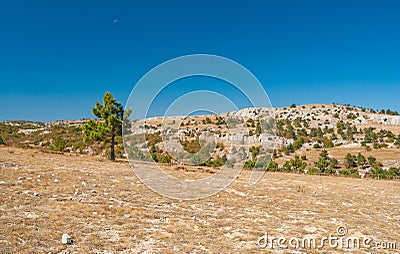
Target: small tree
111, 113
361, 161
371, 161
350, 161
297, 165
323, 161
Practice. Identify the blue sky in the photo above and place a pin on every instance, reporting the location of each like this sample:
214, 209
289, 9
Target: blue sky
58, 57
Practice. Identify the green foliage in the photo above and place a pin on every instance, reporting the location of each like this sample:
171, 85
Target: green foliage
369, 135
162, 158
191, 146
327, 142
361, 160
380, 173
273, 166
288, 149
350, 161
316, 146
254, 150
302, 133
94, 131
111, 114
215, 162
350, 172
371, 160
258, 129
333, 163
316, 132
326, 164
295, 165
393, 113
351, 116
313, 171
2, 141
58, 144
262, 162
298, 143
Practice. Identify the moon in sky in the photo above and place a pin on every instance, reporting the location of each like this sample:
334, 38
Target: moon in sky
115, 21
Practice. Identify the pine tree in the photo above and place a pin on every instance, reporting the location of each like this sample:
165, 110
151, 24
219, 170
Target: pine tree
323, 161
111, 114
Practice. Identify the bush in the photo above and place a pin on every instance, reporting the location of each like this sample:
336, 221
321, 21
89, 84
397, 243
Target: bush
313, 171
351, 116
316, 146
2, 141
298, 143
350, 172
327, 142
58, 144
273, 166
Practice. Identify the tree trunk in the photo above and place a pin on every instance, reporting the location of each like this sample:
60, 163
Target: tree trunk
112, 155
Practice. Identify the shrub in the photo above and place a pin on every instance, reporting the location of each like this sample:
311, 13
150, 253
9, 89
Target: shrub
313, 171
272, 166
316, 146
350, 161
298, 143
2, 141
351, 116
327, 142
58, 144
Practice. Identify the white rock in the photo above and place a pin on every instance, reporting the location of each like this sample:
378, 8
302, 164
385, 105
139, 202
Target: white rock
66, 239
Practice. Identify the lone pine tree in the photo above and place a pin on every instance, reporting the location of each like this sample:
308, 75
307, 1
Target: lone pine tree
111, 114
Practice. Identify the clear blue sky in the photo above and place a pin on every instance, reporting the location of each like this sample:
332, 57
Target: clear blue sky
58, 57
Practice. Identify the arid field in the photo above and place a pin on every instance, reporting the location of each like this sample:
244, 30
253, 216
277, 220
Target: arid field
104, 208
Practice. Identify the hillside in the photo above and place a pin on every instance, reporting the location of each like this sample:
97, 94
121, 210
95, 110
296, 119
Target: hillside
53, 184
358, 142
369, 139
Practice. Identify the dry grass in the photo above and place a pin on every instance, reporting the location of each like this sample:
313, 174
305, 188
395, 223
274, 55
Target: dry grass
103, 207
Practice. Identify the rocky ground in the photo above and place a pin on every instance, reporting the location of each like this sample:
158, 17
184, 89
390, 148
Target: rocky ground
104, 208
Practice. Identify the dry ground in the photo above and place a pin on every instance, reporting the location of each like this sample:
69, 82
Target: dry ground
105, 209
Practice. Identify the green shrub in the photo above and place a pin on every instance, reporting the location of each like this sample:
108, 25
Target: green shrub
273, 166
58, 144
2, 141
313, 171
316, 146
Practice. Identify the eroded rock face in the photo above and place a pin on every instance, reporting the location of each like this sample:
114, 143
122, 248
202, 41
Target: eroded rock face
385, 119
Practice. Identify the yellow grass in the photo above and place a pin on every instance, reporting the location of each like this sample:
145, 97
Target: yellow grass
113, 211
